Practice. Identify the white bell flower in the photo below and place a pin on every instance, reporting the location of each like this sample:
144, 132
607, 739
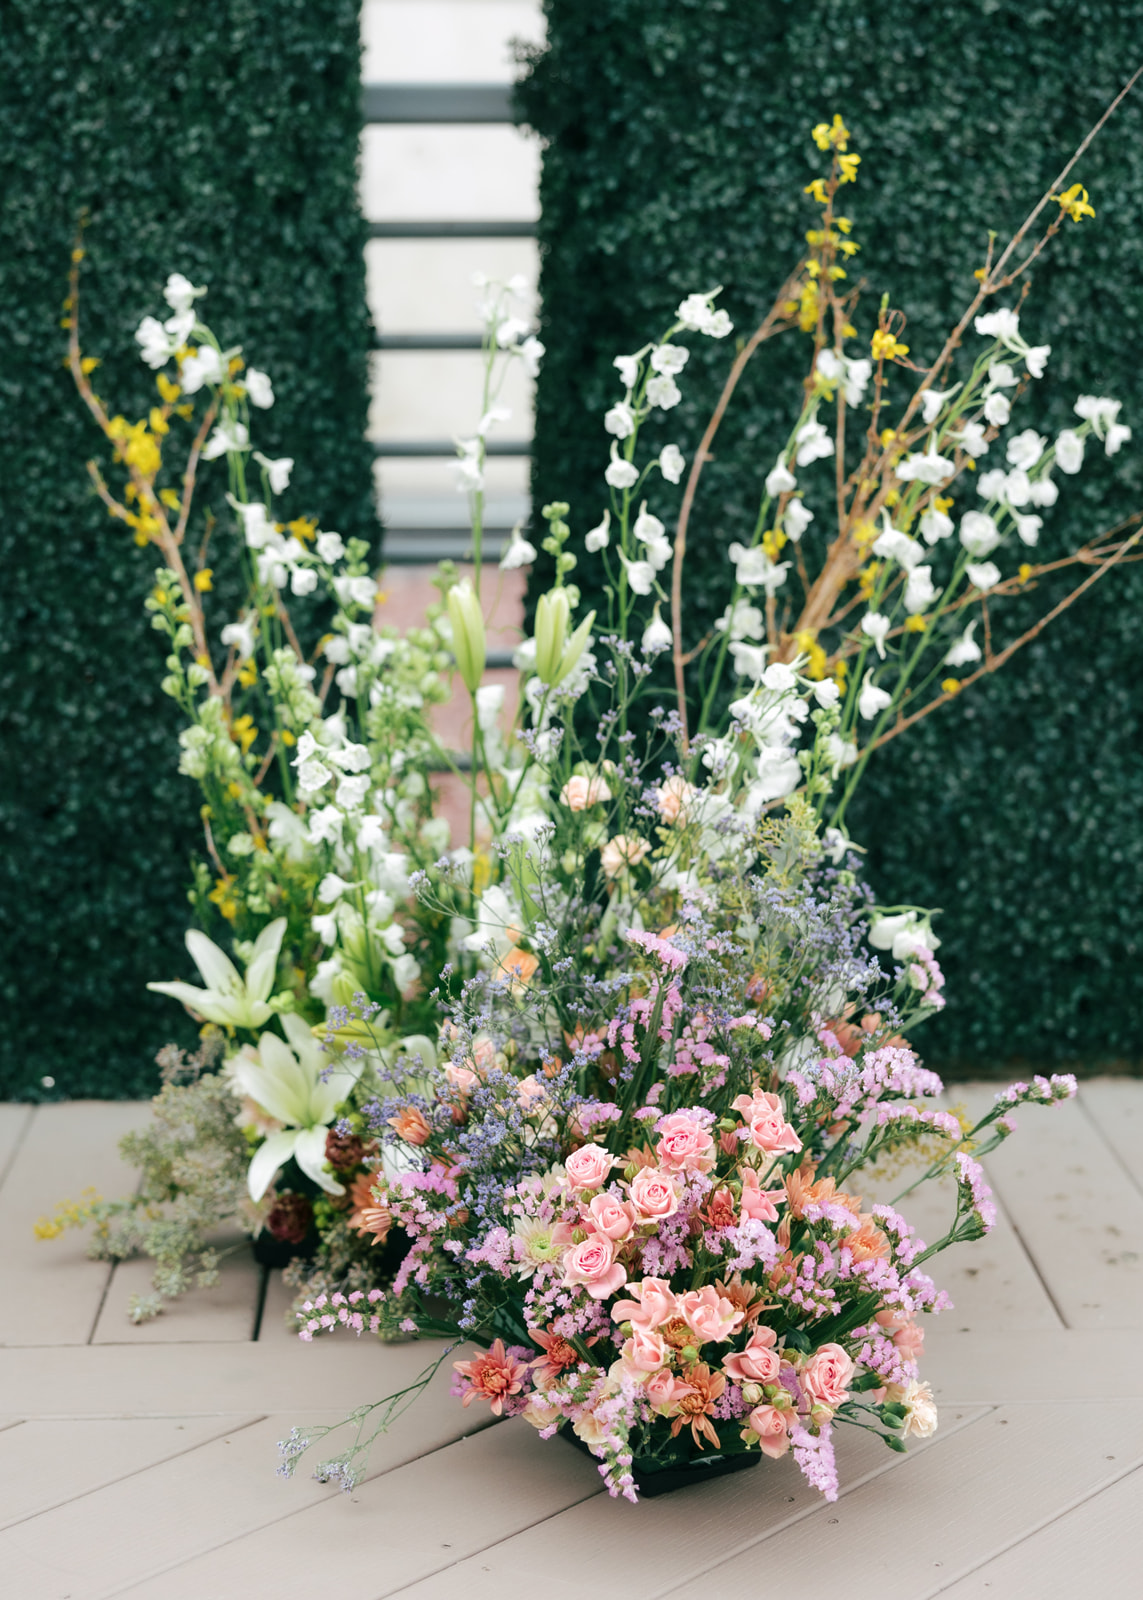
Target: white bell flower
893, 545
1069, 451
299, 1087
742, 621
972, 440
628, 368
241, 635
1036, 359
983, 574
1044, 492
491, 417
229, 999
872, 701
919, 590
670, 358
1117, 436
933, 402
518, 552
620, 474
1002, 375
839, 752
277, 471
935, 525
620, 420
155, 345
259, 389
813, 442
1101, 412
827, 694
779, 774
991, 485
780, 480
875, 626
998, 410
640, 575
227, 437
648, 529
203, 366
965, 649
352, 792
531, 352
1025, 449
656, 635
1002, 324
978, 533
1017, 487
749, 659
599, 536
663, 391
671, 463
930, 467
332, 887
797, 519
658, 552
1028, 527
330, 547
180, 293
351, 758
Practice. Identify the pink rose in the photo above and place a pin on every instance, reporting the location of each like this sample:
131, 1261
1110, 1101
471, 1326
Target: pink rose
645, 1351
588, 1166
529, 1089
654, 1304
461, 1078
770, 1425
653, 1194
615, 1219
592, 1265
769, 1129
664, 1392
625, 850
826, 1376
758, 1202
578, 793
709, 1315
758, 1363
683, 1145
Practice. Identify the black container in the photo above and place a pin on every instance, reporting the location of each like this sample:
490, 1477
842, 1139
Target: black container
652, 1478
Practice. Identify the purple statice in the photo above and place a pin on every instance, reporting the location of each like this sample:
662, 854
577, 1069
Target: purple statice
814, 1455
974, 1196
748, 1244
942, 1121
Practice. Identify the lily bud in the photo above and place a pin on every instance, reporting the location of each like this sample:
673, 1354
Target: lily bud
552, 617
467, 634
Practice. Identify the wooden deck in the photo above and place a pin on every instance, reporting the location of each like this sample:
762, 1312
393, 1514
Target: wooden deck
141, 1461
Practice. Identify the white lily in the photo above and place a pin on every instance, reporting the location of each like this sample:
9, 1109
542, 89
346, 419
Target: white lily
229, 999
288, 1084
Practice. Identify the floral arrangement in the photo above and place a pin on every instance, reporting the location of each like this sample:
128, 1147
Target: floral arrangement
592, 1087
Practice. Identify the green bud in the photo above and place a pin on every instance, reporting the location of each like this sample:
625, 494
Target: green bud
553, 615
467, 634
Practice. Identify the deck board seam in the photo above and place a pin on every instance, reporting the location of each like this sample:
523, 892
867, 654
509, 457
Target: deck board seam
1109, 1147
1009, 1217
1057, 1515
17, 1146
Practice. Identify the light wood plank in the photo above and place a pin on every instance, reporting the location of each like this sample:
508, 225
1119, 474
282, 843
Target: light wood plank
224, 1313
1077, 1213
638, 1550
46, 1464
1115, 1105
397, 1527
52, 1292
956, 1505
278, 1300
1095, 1549
14, 1120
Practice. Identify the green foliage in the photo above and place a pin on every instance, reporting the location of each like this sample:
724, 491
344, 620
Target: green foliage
677, 146
220, 141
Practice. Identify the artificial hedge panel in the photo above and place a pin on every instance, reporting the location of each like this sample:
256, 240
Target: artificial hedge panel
676, 149
221, 141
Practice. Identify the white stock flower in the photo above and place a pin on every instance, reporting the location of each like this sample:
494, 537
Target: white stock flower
1028, 526
1003, 325
983, 574
963, 650
640, 575
813, 442
303, 580
531, 353
1069, 451
1044, 492
697, 314
893, 545
241, 636
620, 474
180, 293
1017, 487
628, 368
797, 519
749, 659
670, 358
332, 887
351, 792
1036, 359
935, 525
779, 774
972, 440
489, 704
620, 420
337, 650
330, 547
491, 417
346, 681
278, 472
663, 391
780, 480
599, 536
930, 467
875, 626
1002, 375
1025, 449
671, 463
933, 403
742, 621
155, 345
998, 409
325, 924
300, 1087
229, 999
839, 752
227, 436
259, 389
872, 701
648, 529
518, 552
1117, 436
978, 533
204, 365
351, 758
991, 485
919, 591
656, 635
826, 693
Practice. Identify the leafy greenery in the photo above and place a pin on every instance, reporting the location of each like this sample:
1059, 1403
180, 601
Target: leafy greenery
220, 141
677, 146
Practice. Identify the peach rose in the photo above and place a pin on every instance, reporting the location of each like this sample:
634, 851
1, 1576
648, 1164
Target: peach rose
587, 1167
578, 793
766, 1118
758, 1363
539, 1414
654, 1304
827, 1375
461, 1078
653, 1194
625, 850
592, 1265
758, 1202
709, 1315
770, 1425
529, 1089
665, 1392
645, 1351
615, 1219
683, 1145
673, 797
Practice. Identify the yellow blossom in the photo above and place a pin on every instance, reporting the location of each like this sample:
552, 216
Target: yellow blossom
186, 412
848, 330
915, 624
204, 580
159, 423
168, 391
1024, 572
1075, 202
885, 346
235, 365
170, 499
843, 223
849, 165
837, 273
892, 498
808, 307
817, 191
303, 528
887, 436
824, 134
248, 673
840, 671
772, 541
868, 578
943, 502
950, 686
234, 790
980, 274
806, 641
848, 247
288, 738
223, 896
864, 533
89, 364
243, 731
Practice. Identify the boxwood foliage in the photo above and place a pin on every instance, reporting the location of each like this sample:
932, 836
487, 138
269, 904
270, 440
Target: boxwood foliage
676, 148
221, 141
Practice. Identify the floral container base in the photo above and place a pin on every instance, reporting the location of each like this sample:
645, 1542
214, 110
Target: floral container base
656, 1476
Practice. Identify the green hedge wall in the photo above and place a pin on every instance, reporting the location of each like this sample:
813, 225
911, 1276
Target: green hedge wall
676, 147
219, 140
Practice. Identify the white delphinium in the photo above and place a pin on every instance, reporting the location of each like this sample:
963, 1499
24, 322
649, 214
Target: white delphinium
1069, 451
620, 474
929, 467
965, 649
698, 314
872, 701
599, 536
813, 442
983, 574
875, 626
893, 545
259, 389
204, 365
277, 472
780, 480
936, 525
919, 590
1103, 415
1025, 449
656, 635
518, 552
933, 403
978, 533
671, 463
620, 420
797, 519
